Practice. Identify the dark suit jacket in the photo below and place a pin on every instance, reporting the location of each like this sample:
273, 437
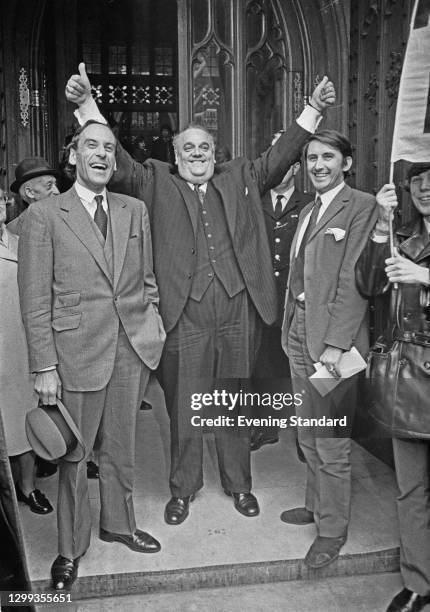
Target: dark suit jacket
71, 303
283, 229
173, 213
335, 310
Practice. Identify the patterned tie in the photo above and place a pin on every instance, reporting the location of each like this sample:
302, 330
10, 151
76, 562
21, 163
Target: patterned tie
297, 272
278, 206
100, 217
200, 193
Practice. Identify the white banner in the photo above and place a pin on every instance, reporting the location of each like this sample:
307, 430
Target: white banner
411, 138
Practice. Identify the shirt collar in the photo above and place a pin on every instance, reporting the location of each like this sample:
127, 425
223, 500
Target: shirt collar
203, 186
286, 194
329, 196
87, 195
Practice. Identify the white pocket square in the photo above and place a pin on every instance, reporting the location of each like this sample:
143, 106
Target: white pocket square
337, 232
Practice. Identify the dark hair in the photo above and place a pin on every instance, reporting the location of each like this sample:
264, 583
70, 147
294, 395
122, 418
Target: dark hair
332, 138
73, 144
417, 168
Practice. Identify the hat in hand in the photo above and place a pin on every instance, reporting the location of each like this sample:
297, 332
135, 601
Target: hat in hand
53, 434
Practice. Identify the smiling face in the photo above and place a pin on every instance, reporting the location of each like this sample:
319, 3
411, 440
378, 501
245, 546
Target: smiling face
325, 165
40, 188
94, 157
420, 192
195, 155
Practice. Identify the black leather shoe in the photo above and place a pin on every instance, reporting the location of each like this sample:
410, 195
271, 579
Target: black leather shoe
92, 470
36, 501
177, 509
324, 551
408, 601
139, 541
64, 573
44, 468
260, 439
245, 503
298, 516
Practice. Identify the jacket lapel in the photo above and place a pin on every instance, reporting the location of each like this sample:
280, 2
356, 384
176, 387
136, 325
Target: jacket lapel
416, 245
190, 199
229, 198
335, 206
78, 220
120, 218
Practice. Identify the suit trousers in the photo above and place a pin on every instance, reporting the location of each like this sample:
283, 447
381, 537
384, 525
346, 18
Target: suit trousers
412, 461
107, 420
327, 451
213, 346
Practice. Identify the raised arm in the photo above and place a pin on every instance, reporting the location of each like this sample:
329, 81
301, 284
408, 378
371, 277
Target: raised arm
131, 177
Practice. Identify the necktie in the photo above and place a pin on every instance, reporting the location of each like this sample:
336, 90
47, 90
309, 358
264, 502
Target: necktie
297, 272
278, 206
200, 193
100, 217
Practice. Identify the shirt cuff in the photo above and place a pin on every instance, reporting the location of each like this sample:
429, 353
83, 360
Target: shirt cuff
379, 239
48, 369
89, 111
309, 119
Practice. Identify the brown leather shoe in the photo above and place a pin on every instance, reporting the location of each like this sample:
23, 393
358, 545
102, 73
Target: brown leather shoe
298, 516
408, 601
324, 551
64, 573
177, 509
245, 503
139, 541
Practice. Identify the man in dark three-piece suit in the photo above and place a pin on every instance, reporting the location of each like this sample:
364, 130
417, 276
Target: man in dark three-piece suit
212, 263
89, 304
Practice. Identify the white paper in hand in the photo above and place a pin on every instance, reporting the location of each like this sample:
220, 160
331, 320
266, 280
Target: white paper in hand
350, 363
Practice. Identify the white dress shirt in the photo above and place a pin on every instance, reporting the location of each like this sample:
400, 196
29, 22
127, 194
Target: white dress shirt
87, 196
326, 199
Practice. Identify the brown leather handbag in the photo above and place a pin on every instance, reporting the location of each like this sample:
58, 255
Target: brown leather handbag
398, 381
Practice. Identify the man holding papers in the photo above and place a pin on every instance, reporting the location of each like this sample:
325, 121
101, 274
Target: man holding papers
325, 316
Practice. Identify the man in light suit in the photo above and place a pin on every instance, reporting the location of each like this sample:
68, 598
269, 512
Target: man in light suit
325, 316
208, 232
89, 304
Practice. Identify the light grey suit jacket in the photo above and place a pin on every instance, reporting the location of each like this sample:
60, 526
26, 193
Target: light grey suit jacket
72, 304
335, 310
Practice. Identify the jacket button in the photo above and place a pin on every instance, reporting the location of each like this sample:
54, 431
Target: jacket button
276, 273
193, 251
190, 276
427, 365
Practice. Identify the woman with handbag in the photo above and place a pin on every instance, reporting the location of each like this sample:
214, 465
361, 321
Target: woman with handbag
399, 373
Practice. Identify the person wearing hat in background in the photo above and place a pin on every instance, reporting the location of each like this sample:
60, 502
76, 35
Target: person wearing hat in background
16, 384
89, 305
36, 180
377, 271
